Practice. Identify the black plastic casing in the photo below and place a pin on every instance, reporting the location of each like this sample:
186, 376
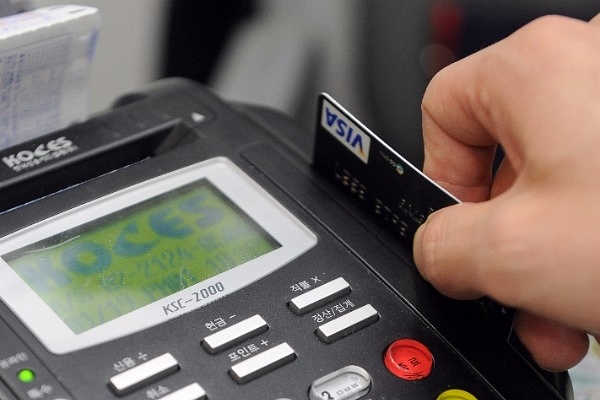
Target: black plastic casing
177, 123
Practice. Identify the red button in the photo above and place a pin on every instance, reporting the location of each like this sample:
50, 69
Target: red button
409, 359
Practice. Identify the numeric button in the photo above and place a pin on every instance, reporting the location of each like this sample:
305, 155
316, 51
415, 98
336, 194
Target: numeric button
348, 383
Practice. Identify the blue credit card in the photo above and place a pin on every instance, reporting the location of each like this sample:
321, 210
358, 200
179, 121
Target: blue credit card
383, 181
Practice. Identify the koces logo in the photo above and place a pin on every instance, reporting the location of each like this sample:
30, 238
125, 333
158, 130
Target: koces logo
345, 131
25, 159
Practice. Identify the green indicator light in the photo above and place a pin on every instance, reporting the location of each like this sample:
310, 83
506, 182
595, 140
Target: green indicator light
26, 375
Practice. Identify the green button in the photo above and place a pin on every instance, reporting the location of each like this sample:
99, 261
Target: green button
26, 375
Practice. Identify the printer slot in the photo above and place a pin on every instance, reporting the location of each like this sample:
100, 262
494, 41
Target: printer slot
64, 158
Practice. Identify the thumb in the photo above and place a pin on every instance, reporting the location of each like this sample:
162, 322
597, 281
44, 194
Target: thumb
446, 248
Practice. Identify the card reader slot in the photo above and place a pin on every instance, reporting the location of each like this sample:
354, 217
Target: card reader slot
71, 156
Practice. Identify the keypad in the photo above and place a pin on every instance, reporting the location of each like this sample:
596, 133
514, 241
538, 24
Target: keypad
268, 359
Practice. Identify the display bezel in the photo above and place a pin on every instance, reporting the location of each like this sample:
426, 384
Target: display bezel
224, 175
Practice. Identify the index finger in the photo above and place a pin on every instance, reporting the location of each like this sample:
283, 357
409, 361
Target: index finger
487, 98
458, 149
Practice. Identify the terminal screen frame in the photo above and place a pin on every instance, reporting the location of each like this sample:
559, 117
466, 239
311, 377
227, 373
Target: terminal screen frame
284, 235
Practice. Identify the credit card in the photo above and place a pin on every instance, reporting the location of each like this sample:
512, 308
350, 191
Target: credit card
377, 176
384, 183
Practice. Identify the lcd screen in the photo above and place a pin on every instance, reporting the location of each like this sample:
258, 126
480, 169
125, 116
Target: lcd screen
120, 262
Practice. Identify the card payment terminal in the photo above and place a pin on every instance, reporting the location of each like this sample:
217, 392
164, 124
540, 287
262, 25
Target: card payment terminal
178, 247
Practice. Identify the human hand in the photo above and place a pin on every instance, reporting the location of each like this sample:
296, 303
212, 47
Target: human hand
529, 236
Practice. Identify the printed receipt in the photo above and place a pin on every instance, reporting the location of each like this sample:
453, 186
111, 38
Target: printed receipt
45, 66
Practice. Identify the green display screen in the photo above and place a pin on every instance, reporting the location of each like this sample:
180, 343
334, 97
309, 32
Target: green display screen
140, 254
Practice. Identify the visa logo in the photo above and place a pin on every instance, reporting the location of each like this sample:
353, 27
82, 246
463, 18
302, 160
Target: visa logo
344, 130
